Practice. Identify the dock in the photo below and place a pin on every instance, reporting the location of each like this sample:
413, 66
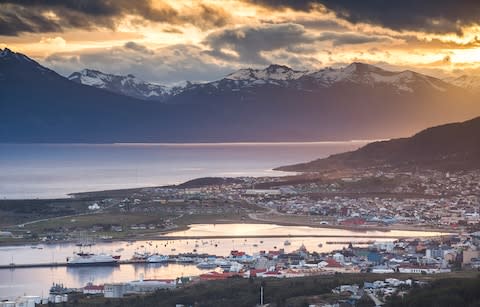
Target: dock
13, 266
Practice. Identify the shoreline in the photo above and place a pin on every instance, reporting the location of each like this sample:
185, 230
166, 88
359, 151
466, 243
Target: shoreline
164, 235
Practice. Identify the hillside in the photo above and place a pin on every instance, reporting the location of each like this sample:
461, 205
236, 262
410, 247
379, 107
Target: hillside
448, 147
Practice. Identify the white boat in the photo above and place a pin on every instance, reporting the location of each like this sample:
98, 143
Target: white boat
206, 265
184, 259
156, 258
92, 260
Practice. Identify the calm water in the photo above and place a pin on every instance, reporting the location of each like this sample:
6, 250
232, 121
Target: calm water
38, 280
54, 170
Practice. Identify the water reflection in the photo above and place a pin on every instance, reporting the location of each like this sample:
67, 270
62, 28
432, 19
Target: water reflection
36, 281
84, 274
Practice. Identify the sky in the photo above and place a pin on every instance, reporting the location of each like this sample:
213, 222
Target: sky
167, 41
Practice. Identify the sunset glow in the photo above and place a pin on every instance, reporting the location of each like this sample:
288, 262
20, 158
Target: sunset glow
208, 39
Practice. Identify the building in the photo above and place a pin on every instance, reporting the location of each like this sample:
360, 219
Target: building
93, 289
115, 290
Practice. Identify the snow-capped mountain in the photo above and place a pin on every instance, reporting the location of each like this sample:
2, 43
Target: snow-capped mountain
272, 72
250, 81
372, 76
128, 85
21, 63
273, 104
356, 73
272, 76
471, 83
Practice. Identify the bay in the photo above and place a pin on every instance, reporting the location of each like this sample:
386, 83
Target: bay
54, 170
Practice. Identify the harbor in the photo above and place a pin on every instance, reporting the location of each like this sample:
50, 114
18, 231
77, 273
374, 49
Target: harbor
194, 252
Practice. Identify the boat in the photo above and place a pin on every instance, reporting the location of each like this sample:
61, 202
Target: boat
92, 260
157, 258
286, 243
185, 259
138, 256
206, 265
59, 289
320, 245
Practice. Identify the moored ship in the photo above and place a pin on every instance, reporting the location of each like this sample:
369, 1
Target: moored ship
92, 260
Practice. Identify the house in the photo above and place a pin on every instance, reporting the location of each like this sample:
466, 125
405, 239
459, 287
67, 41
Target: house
90, 288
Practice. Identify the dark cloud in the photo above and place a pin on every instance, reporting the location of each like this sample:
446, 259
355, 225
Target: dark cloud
207, 17
172, 30
416, 42
249, 42
35, 16
339, 39
137, 47
15, 19
436, 16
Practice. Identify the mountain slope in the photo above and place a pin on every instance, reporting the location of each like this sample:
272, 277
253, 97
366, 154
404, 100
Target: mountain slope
448, 147
273, 104
471, 83
128, 85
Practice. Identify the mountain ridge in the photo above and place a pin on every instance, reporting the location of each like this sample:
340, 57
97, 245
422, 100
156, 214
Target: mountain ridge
39, 105
452, 146
274, 75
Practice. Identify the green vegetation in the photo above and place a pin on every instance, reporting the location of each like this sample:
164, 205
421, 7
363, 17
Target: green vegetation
277, 292
236, 292
20, 211
448, 292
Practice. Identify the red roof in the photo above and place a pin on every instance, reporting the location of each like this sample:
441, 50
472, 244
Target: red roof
217, 276
332, 263
253, 272
236, 253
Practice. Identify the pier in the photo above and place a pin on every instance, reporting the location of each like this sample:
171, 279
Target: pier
13, 266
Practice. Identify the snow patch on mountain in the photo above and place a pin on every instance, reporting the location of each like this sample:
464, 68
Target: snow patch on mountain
369, 75
128, 85
272, 72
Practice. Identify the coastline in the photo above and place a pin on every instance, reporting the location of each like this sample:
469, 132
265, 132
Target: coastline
164, 235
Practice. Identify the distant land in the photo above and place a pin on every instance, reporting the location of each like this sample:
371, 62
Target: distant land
450, 147
359, 101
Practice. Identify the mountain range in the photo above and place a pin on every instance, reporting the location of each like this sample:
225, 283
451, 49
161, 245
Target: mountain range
453, 147
359, 101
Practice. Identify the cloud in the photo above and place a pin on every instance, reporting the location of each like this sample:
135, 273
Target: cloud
164, 65
19, 16
249, 42
339, 39
137, 47
434, 16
